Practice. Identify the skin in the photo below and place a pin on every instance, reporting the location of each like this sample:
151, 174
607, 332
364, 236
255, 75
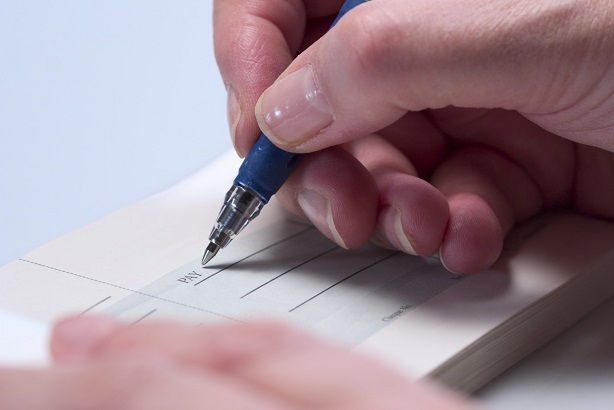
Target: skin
439, 115
101, 364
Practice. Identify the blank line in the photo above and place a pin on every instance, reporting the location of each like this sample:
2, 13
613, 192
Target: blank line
148, 314
343, 280
94, 305
255, 253
290, 270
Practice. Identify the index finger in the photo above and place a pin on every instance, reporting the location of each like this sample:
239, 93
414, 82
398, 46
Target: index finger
254, 42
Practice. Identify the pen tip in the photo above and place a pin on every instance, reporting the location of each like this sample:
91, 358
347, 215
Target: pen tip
210, 252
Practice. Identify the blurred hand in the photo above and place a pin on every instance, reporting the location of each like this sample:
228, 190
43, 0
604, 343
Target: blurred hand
434, 126
100, 364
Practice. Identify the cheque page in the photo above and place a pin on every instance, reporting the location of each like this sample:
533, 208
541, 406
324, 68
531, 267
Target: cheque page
289, 271
142, 263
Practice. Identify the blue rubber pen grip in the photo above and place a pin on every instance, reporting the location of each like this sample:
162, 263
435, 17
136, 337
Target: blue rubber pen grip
265, 169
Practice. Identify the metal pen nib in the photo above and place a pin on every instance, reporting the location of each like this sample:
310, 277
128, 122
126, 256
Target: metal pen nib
240, 207
210, 252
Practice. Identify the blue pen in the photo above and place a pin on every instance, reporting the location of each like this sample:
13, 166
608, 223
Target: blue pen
262, 173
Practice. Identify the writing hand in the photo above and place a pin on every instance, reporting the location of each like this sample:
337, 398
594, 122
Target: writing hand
434, 127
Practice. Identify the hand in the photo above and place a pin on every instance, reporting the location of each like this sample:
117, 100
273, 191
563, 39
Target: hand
437, 125
102, 364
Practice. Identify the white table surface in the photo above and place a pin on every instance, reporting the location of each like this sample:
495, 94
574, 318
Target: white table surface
106, 102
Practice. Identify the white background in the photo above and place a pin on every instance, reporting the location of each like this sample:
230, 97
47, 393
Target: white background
101, 103
106, 102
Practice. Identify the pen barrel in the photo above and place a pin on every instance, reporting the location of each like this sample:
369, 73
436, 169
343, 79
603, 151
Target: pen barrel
266, 168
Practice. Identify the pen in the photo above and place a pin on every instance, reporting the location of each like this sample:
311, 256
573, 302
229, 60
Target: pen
263, 171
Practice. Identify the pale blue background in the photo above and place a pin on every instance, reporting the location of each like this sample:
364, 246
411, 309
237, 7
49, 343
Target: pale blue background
106, 102
101, 103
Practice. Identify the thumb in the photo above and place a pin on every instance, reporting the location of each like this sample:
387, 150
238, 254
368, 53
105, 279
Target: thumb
387, 57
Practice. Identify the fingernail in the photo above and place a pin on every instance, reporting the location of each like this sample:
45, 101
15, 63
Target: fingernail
75, 338
319, 211
294, 109
233, 112
442, 260
392, 222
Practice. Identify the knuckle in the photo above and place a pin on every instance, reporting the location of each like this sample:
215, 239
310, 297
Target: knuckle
374, 41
